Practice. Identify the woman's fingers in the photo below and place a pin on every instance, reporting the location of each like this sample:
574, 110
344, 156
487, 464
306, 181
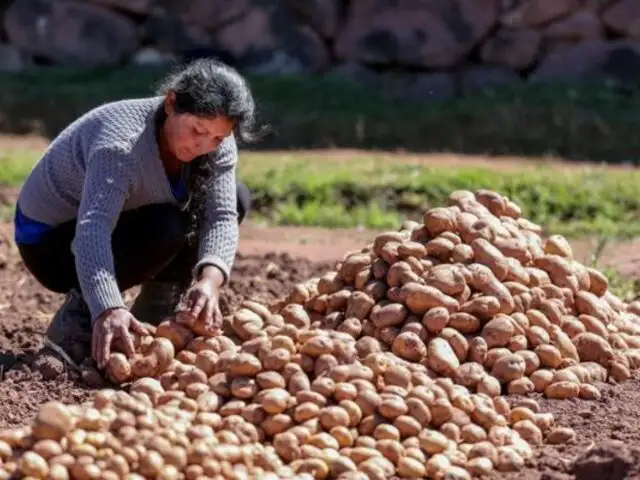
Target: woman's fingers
127, 341
104, 347
138, 327
198, 305
217, 317
210, 310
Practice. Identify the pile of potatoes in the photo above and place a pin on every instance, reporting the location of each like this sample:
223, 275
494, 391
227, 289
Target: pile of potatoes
475, 294
397, 363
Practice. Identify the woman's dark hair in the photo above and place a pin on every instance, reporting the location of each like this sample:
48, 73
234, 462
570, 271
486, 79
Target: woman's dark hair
209, 88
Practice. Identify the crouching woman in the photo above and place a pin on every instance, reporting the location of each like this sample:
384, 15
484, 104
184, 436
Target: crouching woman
140, 192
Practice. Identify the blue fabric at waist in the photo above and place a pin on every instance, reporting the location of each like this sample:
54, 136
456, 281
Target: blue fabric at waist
27, 230
179, 190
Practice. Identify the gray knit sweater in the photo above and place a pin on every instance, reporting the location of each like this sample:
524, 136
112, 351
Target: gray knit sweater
108, 161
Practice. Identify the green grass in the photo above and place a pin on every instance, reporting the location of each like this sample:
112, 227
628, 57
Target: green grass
372, 191
589, 122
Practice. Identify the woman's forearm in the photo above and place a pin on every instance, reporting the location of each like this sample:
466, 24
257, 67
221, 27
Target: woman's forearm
105, 192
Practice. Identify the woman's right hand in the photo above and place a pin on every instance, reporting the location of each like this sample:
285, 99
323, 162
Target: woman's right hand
114, 324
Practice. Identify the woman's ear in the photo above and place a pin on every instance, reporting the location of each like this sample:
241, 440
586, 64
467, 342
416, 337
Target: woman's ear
169, 102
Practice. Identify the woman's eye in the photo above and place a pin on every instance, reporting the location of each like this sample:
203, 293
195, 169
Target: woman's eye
199, 131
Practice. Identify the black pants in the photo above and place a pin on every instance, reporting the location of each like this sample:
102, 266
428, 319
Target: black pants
147, 243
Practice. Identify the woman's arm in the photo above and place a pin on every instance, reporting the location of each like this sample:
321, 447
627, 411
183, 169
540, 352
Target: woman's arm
109, 179
219, 235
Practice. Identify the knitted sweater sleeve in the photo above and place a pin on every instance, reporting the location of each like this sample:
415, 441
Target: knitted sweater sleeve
219, 236
107, 184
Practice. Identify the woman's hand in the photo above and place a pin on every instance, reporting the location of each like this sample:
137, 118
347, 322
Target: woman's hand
111, 325
202, 299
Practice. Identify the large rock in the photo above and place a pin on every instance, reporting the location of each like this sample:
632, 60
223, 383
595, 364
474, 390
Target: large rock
512, 48
535, 13
623, 18
592, 61
416, 33
324, 16
262, 35
69, 32
583, 25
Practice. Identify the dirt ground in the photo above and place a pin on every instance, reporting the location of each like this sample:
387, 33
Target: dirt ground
269, 262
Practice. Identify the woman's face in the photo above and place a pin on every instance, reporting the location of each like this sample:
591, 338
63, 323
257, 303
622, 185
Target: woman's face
189, 136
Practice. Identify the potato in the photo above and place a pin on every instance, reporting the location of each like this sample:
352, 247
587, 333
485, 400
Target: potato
436, 319
457, 341
118, 368
508, 367
549, 356
52, 422
462, 253
421, 298
483, 307
156, 359
484, 281
478, 350
498, 331
593, 348
562, 390
409, 346
598, 282
353, 264
489, 385
440, 219
388, 315
447, 278
469, 374
442, 358
487, 254
561, 435
245, 323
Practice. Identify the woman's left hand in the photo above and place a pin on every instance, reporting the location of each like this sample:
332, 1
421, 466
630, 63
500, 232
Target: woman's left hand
202, 302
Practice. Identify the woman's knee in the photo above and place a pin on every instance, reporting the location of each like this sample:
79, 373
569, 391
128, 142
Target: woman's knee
244, 200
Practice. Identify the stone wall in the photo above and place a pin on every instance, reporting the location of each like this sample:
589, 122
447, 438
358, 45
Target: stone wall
444, 44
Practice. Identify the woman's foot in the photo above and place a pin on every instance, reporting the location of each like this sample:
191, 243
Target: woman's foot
70, 327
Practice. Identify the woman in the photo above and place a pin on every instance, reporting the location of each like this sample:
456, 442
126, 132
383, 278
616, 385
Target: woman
140, 192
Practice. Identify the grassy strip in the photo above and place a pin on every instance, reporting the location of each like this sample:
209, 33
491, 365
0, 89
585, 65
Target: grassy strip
374, 192
574, 123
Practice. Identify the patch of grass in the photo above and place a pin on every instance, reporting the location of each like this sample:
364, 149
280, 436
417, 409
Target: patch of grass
575, 203
587, 122
15, 165
373, 192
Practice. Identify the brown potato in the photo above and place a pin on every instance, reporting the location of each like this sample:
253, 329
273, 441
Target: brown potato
508, 367
421, 298
498, 331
